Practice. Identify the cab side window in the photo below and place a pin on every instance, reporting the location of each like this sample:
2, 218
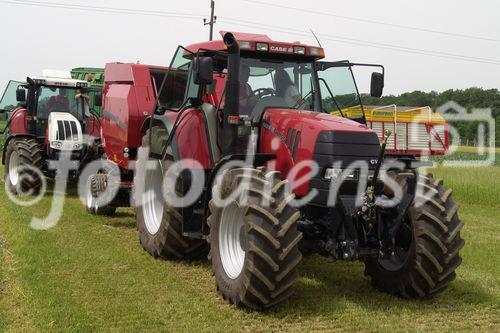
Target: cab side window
178, 83
8, 101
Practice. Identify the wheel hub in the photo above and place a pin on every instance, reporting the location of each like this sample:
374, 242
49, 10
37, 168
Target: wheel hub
91, 202
232, 240
90, 197
402, 247
14, 164
153, 205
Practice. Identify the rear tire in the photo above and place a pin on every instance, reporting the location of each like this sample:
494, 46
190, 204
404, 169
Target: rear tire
26, 155
158, 224
433, 255
254, 247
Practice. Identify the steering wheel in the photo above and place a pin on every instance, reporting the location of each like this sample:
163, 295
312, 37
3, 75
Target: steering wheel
261, 92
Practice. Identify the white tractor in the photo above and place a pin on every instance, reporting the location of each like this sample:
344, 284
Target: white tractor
48, 115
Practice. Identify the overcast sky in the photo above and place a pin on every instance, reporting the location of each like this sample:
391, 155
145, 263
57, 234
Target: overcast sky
36, 38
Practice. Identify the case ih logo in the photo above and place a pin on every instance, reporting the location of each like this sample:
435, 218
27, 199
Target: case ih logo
282, 49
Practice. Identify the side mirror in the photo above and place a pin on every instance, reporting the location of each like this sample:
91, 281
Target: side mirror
377, 85
203, 68
98, 100
21, 95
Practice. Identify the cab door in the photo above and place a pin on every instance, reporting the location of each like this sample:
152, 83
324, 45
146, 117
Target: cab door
9, 102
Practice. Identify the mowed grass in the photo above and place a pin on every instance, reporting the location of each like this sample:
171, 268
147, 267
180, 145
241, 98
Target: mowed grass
90, 274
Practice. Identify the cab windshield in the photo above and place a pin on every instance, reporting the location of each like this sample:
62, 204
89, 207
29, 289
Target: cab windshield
339, 92
298, 85
273, 83
60, 99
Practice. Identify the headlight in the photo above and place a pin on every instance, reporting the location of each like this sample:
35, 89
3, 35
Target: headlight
299, 50
333, 174
262, 47
57, 144
77, 146
245, 45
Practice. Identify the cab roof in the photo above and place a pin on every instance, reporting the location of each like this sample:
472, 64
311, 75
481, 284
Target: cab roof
260, 43
59, 78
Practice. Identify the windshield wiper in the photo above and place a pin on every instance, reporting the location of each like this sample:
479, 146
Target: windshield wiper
303, 100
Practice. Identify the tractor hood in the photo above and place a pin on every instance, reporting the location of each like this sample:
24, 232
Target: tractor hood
312, 122
64, 132
330, 122
306, 136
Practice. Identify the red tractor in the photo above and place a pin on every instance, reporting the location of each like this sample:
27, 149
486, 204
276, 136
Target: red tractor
249, 112
47, 116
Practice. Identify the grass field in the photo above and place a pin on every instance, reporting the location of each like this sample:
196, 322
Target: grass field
468, 149
469, 153
90, 274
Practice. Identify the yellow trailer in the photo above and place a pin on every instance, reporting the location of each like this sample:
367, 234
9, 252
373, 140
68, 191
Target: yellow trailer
416, 130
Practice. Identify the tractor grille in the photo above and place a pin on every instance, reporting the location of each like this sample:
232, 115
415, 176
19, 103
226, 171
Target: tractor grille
344, 147
292, 141
66, 130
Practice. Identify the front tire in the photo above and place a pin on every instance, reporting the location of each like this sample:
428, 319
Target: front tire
433, 249
254, 246
23, 166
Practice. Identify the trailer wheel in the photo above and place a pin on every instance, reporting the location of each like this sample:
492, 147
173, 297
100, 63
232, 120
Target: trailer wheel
96, 186
158, 224
427, 246
254, 246
23, 166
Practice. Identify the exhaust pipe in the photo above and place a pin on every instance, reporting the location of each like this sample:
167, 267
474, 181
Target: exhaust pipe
228, 135
231, 43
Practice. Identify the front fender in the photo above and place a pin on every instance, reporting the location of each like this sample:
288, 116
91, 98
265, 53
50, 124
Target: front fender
9, 138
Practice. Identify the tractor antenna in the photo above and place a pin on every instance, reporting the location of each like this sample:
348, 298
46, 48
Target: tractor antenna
213, 20
319, 43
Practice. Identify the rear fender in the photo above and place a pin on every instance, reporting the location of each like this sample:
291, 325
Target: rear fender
161, 127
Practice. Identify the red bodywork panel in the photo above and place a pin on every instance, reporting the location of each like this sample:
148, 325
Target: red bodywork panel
19, 122
128, 99
310, 124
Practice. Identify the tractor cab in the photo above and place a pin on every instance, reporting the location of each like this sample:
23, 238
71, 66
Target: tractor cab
254, 74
